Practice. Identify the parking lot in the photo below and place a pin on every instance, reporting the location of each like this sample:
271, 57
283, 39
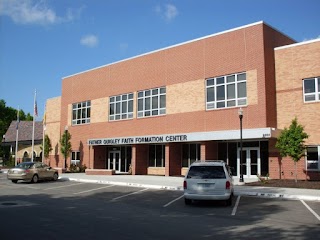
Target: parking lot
97, 210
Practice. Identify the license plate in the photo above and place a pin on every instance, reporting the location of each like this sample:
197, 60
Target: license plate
206, 185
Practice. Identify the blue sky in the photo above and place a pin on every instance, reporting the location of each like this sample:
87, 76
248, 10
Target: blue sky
43, 41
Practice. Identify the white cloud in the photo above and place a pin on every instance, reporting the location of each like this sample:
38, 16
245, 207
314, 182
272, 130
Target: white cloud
89, 40
31, 12
168, 11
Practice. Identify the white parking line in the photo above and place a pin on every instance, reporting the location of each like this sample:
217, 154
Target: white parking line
173, 201
235, 206
95, 189
63, 186
142, 190
310, 209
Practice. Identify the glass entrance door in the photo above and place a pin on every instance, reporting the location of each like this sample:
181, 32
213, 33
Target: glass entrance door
250, 162
114, 161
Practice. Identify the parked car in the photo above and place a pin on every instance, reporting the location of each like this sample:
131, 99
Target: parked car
208, 180
32, 171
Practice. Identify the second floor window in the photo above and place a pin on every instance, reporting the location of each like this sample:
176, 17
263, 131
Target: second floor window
226, 91
311, 89
81, 113
152, 102
121, 107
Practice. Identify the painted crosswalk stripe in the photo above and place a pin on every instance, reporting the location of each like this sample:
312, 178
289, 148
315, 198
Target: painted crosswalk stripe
95, 189
310, 209
142, 190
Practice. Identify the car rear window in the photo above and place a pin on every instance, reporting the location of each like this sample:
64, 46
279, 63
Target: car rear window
206, 172
25, 165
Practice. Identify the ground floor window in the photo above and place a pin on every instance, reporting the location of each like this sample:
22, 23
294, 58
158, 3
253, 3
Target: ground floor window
313, 157
254, 154
75, 157
157, 156
190, 154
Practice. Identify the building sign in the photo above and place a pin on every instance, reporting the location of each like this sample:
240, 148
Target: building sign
138, 140
257, 133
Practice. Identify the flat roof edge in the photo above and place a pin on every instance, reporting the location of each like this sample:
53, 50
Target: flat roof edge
298, 44
172, 46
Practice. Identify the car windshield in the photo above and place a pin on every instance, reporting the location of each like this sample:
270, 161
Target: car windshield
25, 165
206, 172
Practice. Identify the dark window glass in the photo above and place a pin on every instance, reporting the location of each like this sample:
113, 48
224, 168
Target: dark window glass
206, 172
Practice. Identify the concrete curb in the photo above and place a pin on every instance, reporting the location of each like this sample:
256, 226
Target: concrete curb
160, 187
125, 184
278, 195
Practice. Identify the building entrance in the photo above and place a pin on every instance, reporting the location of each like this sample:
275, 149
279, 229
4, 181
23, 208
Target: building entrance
250, 162
114, 161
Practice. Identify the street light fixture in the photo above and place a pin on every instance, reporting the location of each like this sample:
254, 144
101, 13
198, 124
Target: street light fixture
65, 146
240, 112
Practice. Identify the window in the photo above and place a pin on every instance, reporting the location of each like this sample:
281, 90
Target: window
81, 113
313, 158
157, 156
311, 89
207, 172
190, 154
121, 107
226, 91
152, 102
75, 157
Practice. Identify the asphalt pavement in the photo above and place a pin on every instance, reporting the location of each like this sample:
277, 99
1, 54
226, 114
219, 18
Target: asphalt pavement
176, 184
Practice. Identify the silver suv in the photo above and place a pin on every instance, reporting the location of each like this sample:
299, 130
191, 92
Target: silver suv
208, 180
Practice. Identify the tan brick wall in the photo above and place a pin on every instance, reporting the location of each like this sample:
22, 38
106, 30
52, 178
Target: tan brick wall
99, 110
156, 171
186, 97
292, 66
252, 87
53, 113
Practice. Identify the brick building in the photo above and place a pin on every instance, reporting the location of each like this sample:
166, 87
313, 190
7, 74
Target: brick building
160, 111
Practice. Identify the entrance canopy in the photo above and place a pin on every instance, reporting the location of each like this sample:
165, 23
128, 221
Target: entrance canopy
256, 133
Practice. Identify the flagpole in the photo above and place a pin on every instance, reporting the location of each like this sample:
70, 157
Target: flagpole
17, 138
34, 116
43, 131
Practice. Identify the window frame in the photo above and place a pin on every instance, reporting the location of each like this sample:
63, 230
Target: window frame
74, 155
84, 110
197, 153
151, 108
316, 93
162, 148
312, 161
122, 99
221, 86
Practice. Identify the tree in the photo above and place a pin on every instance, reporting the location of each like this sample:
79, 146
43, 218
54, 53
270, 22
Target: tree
7, 115
291, 143
47, 146
65, 146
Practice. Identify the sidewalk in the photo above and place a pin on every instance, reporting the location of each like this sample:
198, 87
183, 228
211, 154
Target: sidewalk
176, 183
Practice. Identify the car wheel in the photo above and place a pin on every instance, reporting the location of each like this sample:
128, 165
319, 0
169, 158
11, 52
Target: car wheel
14, 181
55, 177
35, 178
187, 201
229, 201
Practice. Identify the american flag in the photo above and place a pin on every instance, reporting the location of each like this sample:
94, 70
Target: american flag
35, 108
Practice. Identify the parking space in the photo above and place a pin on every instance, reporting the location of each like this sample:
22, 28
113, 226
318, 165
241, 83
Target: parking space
244, 207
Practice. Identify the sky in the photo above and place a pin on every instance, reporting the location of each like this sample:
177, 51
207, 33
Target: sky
43, 41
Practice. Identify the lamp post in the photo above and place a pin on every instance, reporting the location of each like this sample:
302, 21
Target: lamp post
240, 112
65, 146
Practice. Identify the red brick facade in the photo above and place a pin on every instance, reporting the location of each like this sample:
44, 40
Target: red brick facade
183, 70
